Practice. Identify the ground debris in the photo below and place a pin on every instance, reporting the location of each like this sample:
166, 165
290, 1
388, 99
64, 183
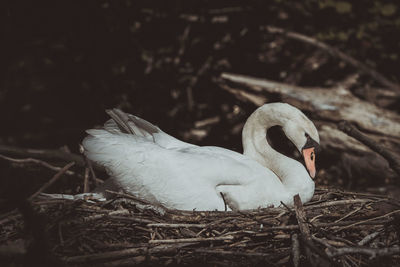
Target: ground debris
346, 229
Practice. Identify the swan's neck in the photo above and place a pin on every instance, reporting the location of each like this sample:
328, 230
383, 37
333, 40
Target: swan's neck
292, 173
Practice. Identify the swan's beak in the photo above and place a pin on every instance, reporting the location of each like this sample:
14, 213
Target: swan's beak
309, 159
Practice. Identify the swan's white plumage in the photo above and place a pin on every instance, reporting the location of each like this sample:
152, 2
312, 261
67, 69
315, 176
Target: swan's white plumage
158, 167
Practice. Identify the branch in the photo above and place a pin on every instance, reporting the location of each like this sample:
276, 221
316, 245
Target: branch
191, 240
176, 225
369, 238
352, 131
37, 161
111, 255
295, 250
331, 104
301, 218
315, 260
48, 154
337, 53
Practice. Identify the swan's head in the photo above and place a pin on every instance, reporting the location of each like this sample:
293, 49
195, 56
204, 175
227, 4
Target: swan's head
303, 134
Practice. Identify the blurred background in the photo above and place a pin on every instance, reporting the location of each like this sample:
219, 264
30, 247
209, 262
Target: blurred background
64, 62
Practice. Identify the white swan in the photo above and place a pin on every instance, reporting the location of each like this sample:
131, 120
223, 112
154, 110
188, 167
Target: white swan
148, 163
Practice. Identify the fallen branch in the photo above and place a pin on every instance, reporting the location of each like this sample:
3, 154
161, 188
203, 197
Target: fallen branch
327, 107
352, 131
330, 104
337, 53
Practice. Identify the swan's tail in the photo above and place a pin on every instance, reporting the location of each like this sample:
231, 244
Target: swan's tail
130, 124
125, 132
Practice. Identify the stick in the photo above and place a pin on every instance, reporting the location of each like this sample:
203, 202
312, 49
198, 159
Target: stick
265, 228
336, 203
131, 219
191, 240
306, 234
223, 198
90, 166
176, 225
350, 214
193, 81
104, 256
37, 161
289, 209
335, 52
372, 252
86, 188
371, 219
369, 238
301, 218
98, 216
235, 253
128, 196
52, 180
304, 230
42, 154
352, 131
295, 250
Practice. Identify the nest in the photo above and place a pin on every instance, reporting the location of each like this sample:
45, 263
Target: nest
334, 228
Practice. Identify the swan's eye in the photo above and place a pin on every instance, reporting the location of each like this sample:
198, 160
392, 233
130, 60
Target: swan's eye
306, 135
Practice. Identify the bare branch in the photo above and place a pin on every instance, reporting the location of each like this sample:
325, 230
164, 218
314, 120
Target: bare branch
349, 129
337, 53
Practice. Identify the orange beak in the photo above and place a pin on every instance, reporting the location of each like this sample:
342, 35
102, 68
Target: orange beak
309, 159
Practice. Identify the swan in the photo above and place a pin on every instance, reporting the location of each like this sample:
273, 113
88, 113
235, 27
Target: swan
144, 161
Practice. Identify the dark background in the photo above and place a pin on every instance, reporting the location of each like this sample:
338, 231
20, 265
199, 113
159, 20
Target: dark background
64, 62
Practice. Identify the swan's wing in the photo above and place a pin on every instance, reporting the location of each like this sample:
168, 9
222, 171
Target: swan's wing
127, 123
121, 153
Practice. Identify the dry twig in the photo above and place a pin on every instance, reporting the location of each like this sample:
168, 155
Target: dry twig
52, 180
42, 154
37, 161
